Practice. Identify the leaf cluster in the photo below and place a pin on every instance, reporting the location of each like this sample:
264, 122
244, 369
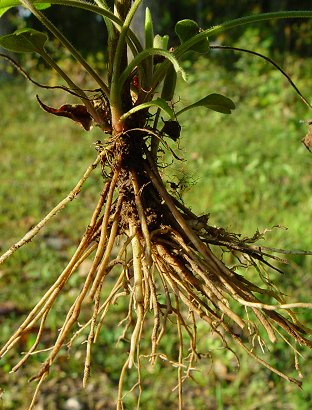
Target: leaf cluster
153, 66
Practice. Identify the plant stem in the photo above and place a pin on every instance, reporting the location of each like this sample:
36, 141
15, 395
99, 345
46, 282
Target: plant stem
115, 94
240, 22
84, 98
58, 69
221, 28
66, 43
134, 44
269, 60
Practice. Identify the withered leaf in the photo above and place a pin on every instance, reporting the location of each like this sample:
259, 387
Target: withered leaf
76, 112
307, 140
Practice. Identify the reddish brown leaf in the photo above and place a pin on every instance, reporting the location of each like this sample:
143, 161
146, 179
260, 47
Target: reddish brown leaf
76, 112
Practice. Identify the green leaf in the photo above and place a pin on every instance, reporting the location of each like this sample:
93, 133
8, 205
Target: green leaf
159, 103
5, 5
24, 41
148, 29
186, 29
215, 102
149, 38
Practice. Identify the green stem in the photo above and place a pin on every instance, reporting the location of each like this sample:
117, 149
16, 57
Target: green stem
213, 31
58, 69
240, 22
84, 98
107, 21
269, 60
59, 35
115, 95
102, 3
134, 42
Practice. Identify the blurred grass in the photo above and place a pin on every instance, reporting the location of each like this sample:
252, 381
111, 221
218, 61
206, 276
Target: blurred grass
248, 170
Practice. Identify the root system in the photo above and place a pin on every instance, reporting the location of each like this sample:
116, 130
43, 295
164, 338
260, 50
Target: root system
168, 267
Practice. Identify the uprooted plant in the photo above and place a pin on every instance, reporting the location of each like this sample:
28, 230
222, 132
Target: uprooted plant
168, 262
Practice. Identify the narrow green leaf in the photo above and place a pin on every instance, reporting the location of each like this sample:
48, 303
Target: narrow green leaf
149, 38
186, 29
215, 102
5, 5
159, 103
148, 28
24, 41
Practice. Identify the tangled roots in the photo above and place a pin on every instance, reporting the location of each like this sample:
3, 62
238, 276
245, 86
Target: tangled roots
165, 267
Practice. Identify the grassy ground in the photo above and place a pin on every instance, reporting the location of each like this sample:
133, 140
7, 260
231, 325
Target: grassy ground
248, 170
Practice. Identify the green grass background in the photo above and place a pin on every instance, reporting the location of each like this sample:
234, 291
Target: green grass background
248, 170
